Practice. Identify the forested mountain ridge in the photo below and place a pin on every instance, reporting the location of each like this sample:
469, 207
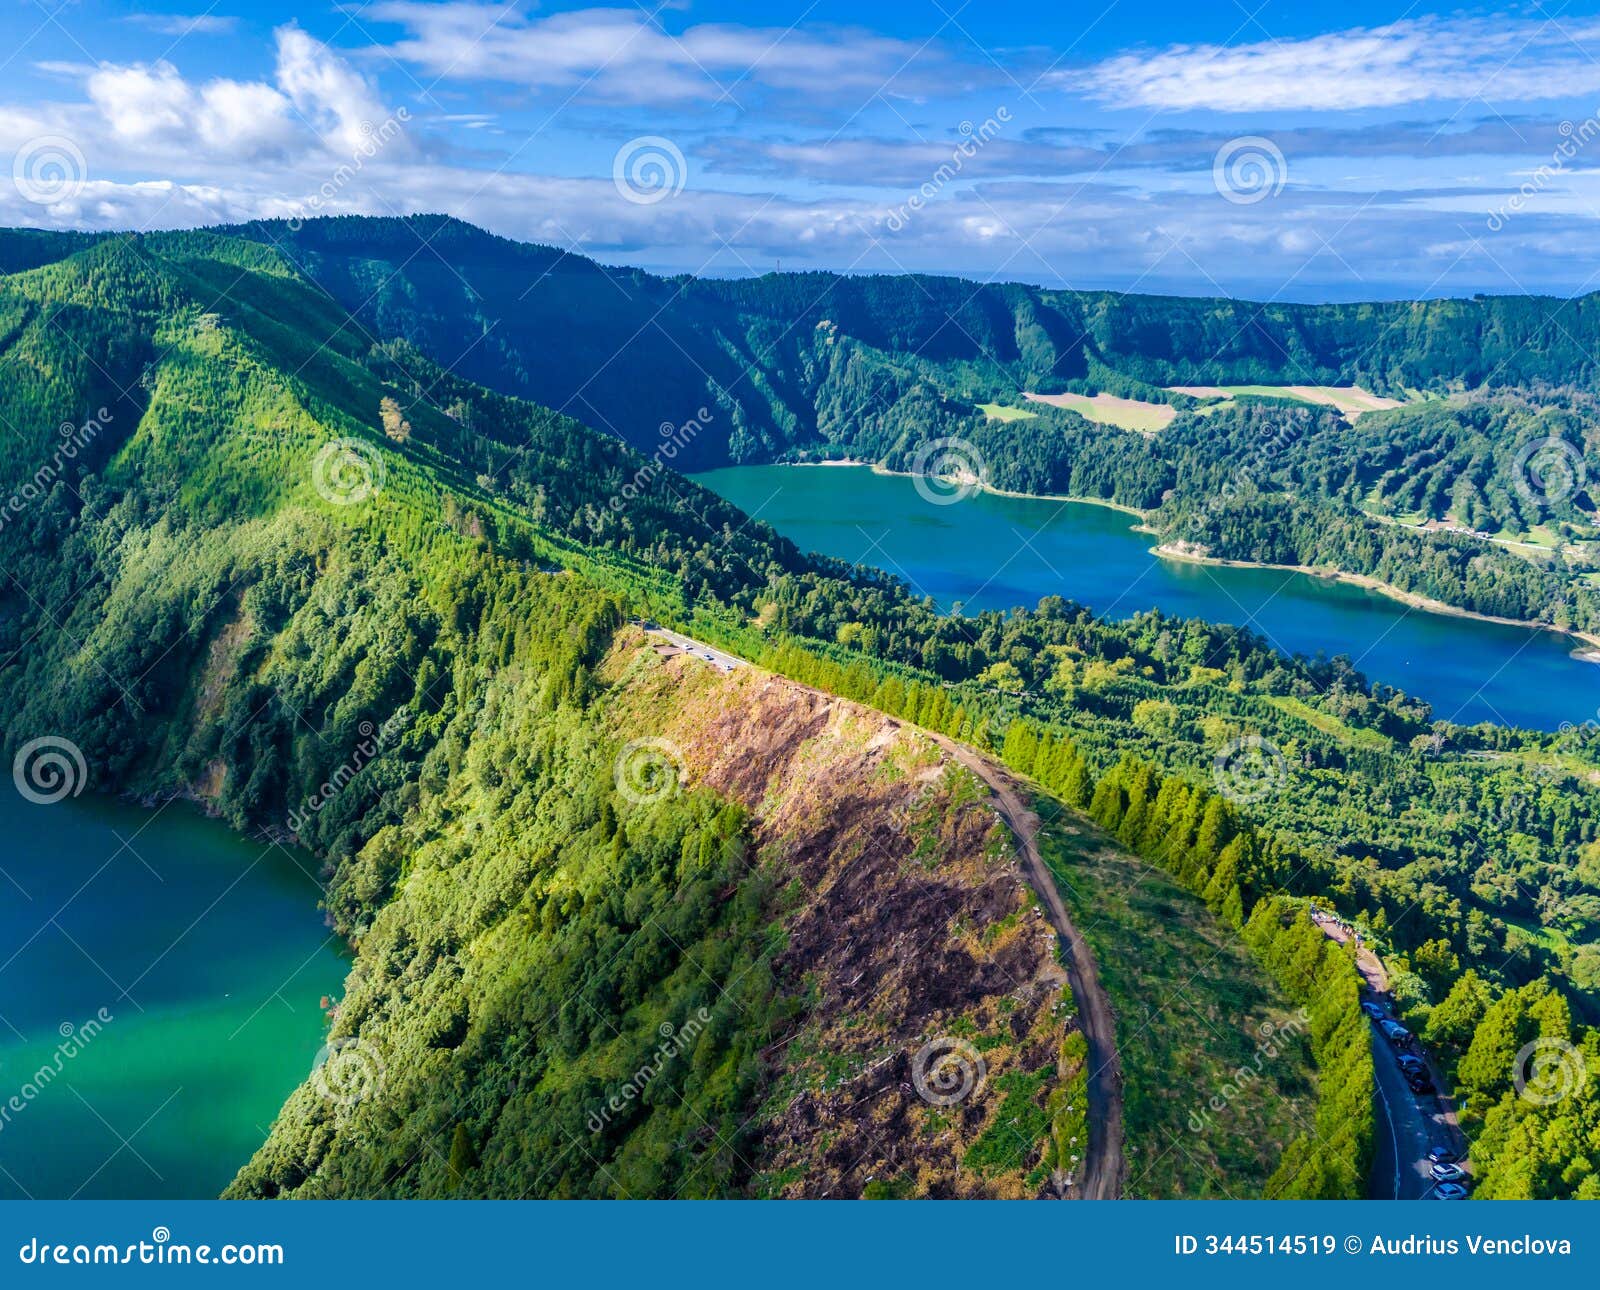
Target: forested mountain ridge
550, 859
820, 365
187, 603
562, 330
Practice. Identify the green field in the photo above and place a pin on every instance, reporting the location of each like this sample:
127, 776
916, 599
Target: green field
1349, 399
1109, 410
1193, 1011
1331, 725
1004, 412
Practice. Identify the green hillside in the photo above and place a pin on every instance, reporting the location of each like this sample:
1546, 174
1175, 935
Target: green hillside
814, 365
248, 539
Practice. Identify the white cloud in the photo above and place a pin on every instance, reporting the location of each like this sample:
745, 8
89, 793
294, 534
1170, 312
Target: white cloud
319, 103
1412, 61
623, 55
180, 24
141, 102
244, 116
326, 90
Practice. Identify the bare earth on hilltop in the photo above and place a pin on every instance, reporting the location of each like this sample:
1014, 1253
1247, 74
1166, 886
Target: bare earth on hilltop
908, 921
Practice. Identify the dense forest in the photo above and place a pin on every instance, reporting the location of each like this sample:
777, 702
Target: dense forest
803, 366
186, 598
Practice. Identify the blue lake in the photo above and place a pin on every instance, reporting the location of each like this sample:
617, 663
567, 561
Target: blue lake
992, 552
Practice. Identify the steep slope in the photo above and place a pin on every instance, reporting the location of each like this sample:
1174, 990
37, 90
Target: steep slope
875, 942
338, 646
293, 562
802, 361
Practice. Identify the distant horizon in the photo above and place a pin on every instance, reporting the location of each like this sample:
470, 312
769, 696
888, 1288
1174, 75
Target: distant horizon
753, 274
1197, 149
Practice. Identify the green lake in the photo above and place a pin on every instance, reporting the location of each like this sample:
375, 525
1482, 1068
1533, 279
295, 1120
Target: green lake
160, 987
992, 552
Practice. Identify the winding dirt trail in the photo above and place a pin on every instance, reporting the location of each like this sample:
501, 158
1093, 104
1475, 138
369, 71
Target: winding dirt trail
1105, 1167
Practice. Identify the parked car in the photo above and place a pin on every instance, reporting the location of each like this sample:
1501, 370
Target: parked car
1450, 1191
1411, 1064
1372, 1010
1438, 1153
1396, 1034
1420, 1082
1446, 1172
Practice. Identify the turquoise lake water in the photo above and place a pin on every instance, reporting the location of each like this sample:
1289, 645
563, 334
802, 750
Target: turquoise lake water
165, 975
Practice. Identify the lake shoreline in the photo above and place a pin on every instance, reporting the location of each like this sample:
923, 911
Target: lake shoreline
879, 469
1590, 653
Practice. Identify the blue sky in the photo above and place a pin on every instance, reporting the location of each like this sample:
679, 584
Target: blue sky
1270, 150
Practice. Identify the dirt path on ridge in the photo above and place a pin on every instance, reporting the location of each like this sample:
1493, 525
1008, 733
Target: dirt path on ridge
1105, 1168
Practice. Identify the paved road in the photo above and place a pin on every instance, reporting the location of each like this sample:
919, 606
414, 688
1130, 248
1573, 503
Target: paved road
705, 653
1407, 1124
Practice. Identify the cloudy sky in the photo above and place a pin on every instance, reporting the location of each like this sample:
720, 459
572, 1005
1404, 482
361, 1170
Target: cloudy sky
1270, 150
